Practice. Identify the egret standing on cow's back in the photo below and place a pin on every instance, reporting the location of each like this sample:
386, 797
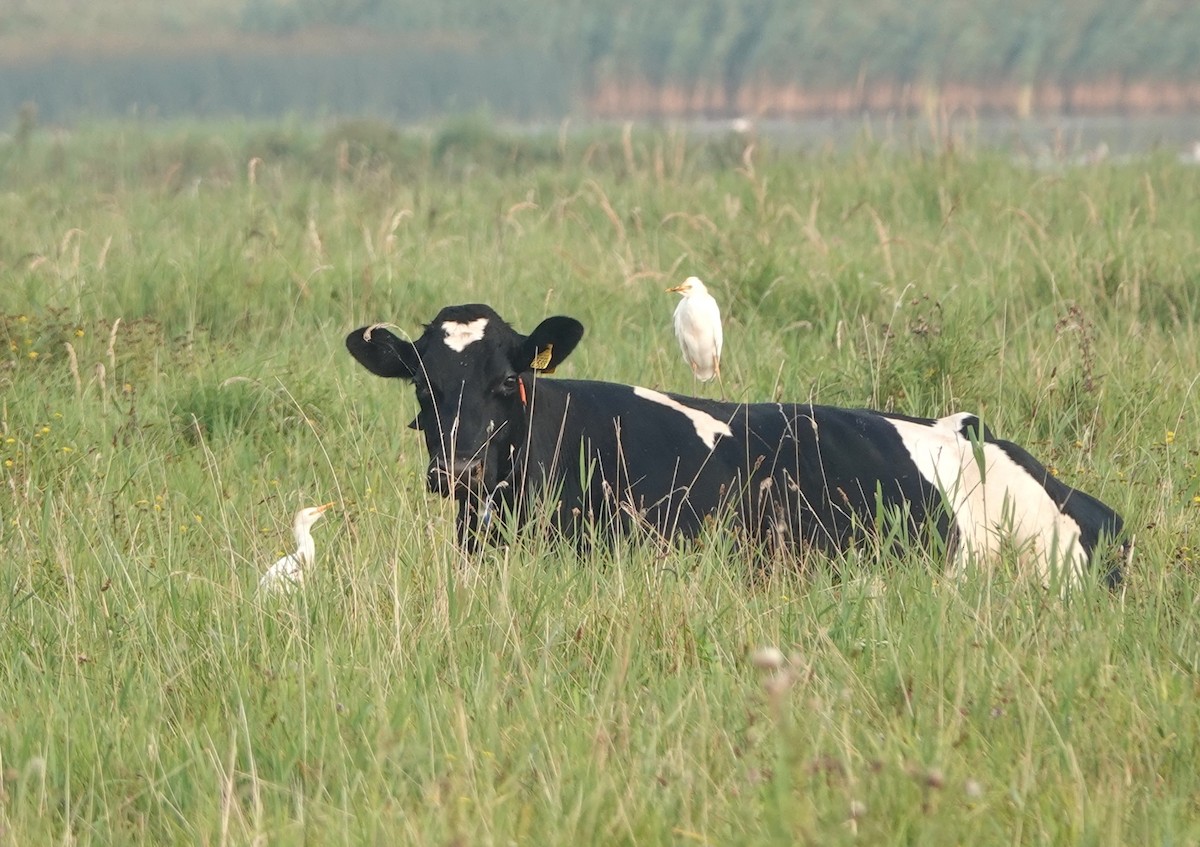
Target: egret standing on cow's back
698, 328
288, 572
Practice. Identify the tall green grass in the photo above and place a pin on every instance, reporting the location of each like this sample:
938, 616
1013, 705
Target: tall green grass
174, 387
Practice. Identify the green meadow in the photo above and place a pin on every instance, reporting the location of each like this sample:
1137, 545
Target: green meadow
173, 386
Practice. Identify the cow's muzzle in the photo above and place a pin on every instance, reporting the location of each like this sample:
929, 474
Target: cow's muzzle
458, 478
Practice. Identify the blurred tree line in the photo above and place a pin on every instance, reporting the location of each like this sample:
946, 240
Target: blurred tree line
411, 59
819, 42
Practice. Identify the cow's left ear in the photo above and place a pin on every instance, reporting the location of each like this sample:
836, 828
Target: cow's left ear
382, 353
549, 344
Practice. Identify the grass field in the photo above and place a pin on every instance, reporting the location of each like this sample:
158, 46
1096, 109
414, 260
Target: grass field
174, 386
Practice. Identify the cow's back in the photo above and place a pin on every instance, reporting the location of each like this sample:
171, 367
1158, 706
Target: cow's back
808, 474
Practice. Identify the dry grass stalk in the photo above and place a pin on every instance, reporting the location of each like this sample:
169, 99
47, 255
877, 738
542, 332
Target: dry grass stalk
71, 240
110, 352
73, 366
609, 211
102, 259
885, 243
1151, 200
102, 381
810, 228
387, 234
314, 240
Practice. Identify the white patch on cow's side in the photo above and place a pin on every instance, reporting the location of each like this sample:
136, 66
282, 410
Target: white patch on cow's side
459, 335
707, 427
1002, 501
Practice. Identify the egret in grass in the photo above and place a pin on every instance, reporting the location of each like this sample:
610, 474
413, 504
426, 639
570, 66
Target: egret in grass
288, 572
698, 328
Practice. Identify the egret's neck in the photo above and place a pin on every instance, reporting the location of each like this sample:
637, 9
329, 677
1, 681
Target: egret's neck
306, 548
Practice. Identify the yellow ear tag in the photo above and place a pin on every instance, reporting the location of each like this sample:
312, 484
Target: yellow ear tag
541, 361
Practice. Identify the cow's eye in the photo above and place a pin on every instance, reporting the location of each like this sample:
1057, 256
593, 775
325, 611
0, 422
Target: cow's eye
422, 389
510, 384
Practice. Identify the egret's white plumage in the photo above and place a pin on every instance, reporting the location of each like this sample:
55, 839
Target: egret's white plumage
288, 572
698, 328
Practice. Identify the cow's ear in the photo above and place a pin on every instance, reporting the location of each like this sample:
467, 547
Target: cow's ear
382, 353
549, 344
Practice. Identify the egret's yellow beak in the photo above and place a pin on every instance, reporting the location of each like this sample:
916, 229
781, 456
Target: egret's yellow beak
677, 289
324, 507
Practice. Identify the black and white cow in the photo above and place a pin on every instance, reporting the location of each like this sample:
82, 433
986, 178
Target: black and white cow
611, 457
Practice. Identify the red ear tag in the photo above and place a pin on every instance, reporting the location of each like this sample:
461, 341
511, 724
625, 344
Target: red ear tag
521, 391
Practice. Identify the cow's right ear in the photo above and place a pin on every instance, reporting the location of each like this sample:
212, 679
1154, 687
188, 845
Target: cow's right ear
549, 344
382, 353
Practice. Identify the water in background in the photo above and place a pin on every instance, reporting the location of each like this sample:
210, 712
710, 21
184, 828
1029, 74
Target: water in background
1082, 139
422, 85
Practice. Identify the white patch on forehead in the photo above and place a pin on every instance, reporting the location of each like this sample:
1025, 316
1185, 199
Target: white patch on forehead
459, 335
707, 427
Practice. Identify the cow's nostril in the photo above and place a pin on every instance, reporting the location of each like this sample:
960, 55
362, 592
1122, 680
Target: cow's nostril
444, 480
437, 478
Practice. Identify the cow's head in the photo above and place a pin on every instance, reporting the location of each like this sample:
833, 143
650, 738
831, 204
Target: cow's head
473, 376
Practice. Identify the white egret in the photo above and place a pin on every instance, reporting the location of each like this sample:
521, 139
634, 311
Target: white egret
288, 572
698, 328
